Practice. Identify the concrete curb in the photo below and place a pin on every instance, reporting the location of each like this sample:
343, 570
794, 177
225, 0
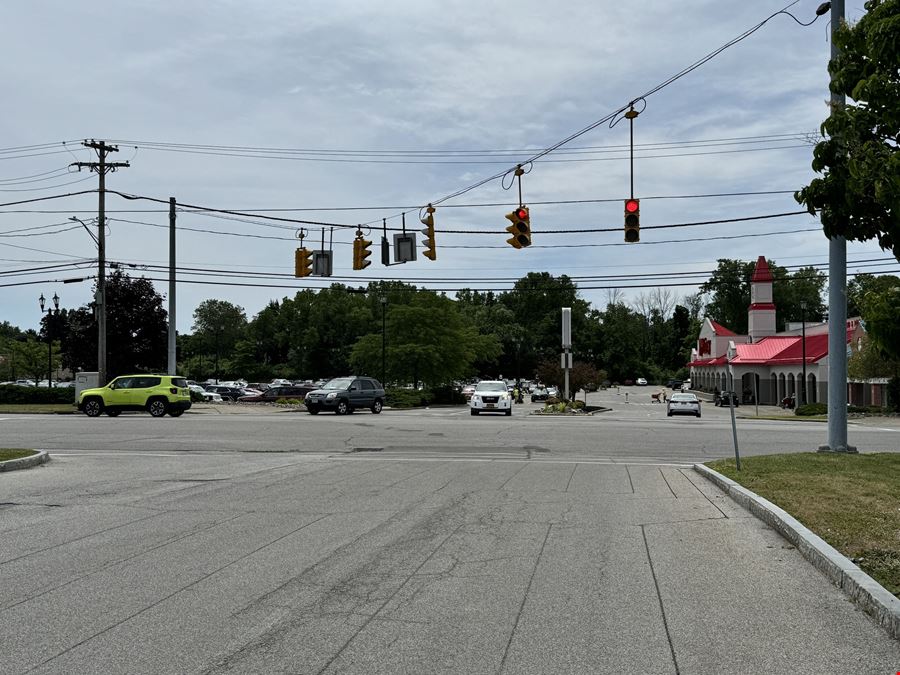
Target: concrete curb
859, 586
41, 457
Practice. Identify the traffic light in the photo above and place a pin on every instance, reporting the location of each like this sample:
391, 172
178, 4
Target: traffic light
632, 220
302, 262
430, 251
520, 228
361, 252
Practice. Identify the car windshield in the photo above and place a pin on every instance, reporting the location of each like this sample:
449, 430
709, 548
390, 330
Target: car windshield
339, 383
490, 386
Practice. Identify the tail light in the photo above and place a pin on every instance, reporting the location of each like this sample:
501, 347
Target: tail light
173, 390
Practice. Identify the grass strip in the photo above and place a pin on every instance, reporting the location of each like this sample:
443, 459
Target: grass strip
851, 501
15, 453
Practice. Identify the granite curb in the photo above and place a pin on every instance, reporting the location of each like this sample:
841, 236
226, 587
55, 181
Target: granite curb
859, 586
41, 457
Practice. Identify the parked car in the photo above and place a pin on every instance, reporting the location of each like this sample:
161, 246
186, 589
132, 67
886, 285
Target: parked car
674, 384
641, 382
157, 394
343, 395
683, 404
553, 392
273, 394
491, 396
468, 390
721, 398
228, 393
208, 396
539, 394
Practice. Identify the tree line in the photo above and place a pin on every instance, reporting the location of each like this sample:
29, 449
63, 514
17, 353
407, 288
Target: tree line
427, 337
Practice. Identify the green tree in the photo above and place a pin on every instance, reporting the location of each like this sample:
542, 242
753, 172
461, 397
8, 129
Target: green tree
427, 341
881, 312
136, 329
219, 325
858, 194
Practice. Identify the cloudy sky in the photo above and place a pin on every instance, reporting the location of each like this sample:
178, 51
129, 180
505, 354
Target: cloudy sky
349, 112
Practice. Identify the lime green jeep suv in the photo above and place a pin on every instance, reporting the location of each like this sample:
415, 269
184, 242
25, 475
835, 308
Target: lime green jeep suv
157, 394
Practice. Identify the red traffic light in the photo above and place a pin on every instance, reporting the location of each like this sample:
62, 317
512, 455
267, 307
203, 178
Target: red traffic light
521, 213
632, 205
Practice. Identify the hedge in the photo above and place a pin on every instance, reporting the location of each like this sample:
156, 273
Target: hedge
11, 393
812, 409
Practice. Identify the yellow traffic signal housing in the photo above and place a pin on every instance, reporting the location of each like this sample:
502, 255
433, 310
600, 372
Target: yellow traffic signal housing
430, 251
520, 228
361, 252
632, 220
302, 262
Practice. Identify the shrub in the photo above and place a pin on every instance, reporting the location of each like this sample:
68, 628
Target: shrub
577, 405
293, 401
11, 393
282, 401
552, 401
448, 395
812, 409
408, 398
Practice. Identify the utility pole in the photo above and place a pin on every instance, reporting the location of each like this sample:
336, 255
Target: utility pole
837, 303
173, 365
101, 167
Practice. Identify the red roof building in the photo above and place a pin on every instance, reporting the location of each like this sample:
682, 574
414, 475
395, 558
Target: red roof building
765, 365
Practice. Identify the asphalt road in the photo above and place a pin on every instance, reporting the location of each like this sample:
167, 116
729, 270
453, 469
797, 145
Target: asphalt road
409, 542
634, 431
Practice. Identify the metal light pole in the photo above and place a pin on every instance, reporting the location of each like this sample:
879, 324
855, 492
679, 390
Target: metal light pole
41, 300
803, 343
383, 300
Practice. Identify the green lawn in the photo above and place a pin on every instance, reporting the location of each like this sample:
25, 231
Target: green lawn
851, 501
14, 453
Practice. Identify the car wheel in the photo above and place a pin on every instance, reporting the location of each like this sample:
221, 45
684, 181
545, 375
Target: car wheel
176, 413
313, 409
93, 407
473, 411
343, 408
376, 407
113, 413
156, 407
669, 414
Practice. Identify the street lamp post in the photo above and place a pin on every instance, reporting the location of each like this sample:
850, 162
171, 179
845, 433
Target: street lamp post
803, 342
50, 313
383, 300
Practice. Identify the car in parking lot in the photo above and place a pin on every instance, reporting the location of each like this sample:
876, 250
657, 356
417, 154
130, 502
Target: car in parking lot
468, 390
343, 395
273, 394
539, 394
491, 396
641, 382
228, 392
208, 396
157, 394
683, 403
553, 392
721, 398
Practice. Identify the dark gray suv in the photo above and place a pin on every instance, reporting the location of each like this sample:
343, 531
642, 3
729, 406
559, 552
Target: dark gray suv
343, 395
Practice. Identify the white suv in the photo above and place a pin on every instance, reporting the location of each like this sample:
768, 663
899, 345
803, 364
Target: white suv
491, 396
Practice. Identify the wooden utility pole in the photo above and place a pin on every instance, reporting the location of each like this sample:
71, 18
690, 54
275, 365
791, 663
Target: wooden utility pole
101, 167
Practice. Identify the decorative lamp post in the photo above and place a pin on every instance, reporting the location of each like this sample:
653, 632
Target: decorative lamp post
50, 313
803, 339
383, 300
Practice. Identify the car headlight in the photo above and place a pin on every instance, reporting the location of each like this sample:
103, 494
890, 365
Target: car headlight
331, 395
503, 397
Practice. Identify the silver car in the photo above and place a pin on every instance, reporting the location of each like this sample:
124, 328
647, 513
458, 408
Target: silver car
683, 404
